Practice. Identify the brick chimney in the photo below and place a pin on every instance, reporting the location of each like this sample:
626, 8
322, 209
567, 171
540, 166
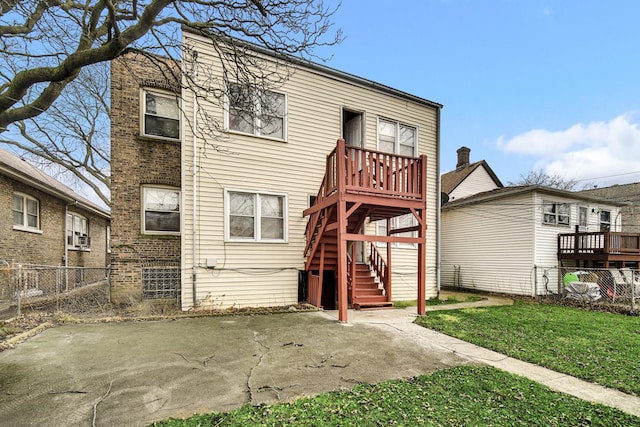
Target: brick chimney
463, 157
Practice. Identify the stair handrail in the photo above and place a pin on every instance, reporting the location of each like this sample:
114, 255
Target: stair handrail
314, 218
380, 267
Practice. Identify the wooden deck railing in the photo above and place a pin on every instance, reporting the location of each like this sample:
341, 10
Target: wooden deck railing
368, 171
380, 267
605, 243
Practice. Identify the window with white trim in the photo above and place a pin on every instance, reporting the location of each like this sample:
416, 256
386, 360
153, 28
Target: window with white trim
160, 115
403, 221
255, 112
160, 210
583, 215
255, 216
398, 138
77, 232
555, 213
26, 212
605, 220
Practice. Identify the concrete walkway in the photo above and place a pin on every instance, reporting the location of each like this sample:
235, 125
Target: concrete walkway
401, 322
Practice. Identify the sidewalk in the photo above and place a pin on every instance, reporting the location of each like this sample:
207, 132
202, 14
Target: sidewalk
400, 321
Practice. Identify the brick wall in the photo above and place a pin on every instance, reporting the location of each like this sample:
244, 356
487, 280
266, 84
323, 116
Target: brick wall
136, 161
629, 193
47, 247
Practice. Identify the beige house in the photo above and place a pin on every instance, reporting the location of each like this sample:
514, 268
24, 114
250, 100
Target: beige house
248, 190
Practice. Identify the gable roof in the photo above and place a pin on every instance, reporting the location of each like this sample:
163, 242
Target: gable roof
450, 180
16, 168
503, 192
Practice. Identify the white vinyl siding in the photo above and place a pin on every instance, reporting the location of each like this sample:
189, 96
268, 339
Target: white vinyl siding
264, 273
491, 244
478, 181
160, 115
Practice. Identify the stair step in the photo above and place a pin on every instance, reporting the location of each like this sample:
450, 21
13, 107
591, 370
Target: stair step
360, 292
366, 299
373, 305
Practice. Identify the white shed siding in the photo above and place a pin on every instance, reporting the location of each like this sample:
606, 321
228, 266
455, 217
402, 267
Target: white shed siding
264, 274
478, 181
492, 245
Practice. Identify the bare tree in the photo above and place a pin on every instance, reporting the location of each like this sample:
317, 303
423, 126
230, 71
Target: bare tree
53, 101
71, 139
540, 177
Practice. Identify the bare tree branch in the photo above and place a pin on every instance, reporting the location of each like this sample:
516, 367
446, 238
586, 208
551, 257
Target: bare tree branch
540, 177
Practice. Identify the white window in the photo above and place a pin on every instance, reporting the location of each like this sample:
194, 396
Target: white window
605, 220
77, 232
403, 221
26, 212
254, 112
255, 216
161, 210
555, 213
398, 138
161, 115
583, 213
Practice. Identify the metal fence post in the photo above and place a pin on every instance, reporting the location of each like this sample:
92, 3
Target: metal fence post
19, 290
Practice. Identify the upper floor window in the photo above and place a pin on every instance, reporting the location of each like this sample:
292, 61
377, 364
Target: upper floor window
26, 212
583, 214
161, 115
256, 217
605, 220
77, 232
255, 112
555, 213
398, 138
161, 210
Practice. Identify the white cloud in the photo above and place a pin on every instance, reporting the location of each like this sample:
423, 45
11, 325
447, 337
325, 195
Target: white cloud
601, 152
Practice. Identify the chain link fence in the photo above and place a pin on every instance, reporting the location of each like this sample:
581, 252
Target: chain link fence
612, 286
26, 286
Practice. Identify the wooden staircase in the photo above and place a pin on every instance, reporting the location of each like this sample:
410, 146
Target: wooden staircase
361, 184
367, 293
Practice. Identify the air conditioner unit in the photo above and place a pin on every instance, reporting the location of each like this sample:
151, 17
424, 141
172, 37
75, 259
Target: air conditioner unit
83, 241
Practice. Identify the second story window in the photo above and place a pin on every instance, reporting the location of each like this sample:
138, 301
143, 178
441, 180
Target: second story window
255, 112
161, 210
26, 212
398, 138
605, 220
161, 115
77, 232
555, 213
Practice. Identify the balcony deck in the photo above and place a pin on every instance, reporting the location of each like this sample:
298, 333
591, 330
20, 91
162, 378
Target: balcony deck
607, 247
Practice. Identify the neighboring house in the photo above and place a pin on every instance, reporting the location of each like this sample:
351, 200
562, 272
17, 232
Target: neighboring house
45, 222
468, 178
507, 240
627, 193
272, 207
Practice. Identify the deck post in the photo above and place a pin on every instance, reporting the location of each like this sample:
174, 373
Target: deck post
422, 264
341, 231
388, 272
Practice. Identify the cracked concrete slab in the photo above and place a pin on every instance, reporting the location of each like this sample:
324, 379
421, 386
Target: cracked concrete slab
130, 374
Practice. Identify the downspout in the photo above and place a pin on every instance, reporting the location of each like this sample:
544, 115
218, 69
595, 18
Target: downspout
438, 202
66, 246
194, 184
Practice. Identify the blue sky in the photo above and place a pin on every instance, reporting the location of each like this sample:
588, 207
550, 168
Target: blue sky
552, 85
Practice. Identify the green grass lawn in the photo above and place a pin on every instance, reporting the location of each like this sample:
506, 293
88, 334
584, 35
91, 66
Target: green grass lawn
461, 396
603, 348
